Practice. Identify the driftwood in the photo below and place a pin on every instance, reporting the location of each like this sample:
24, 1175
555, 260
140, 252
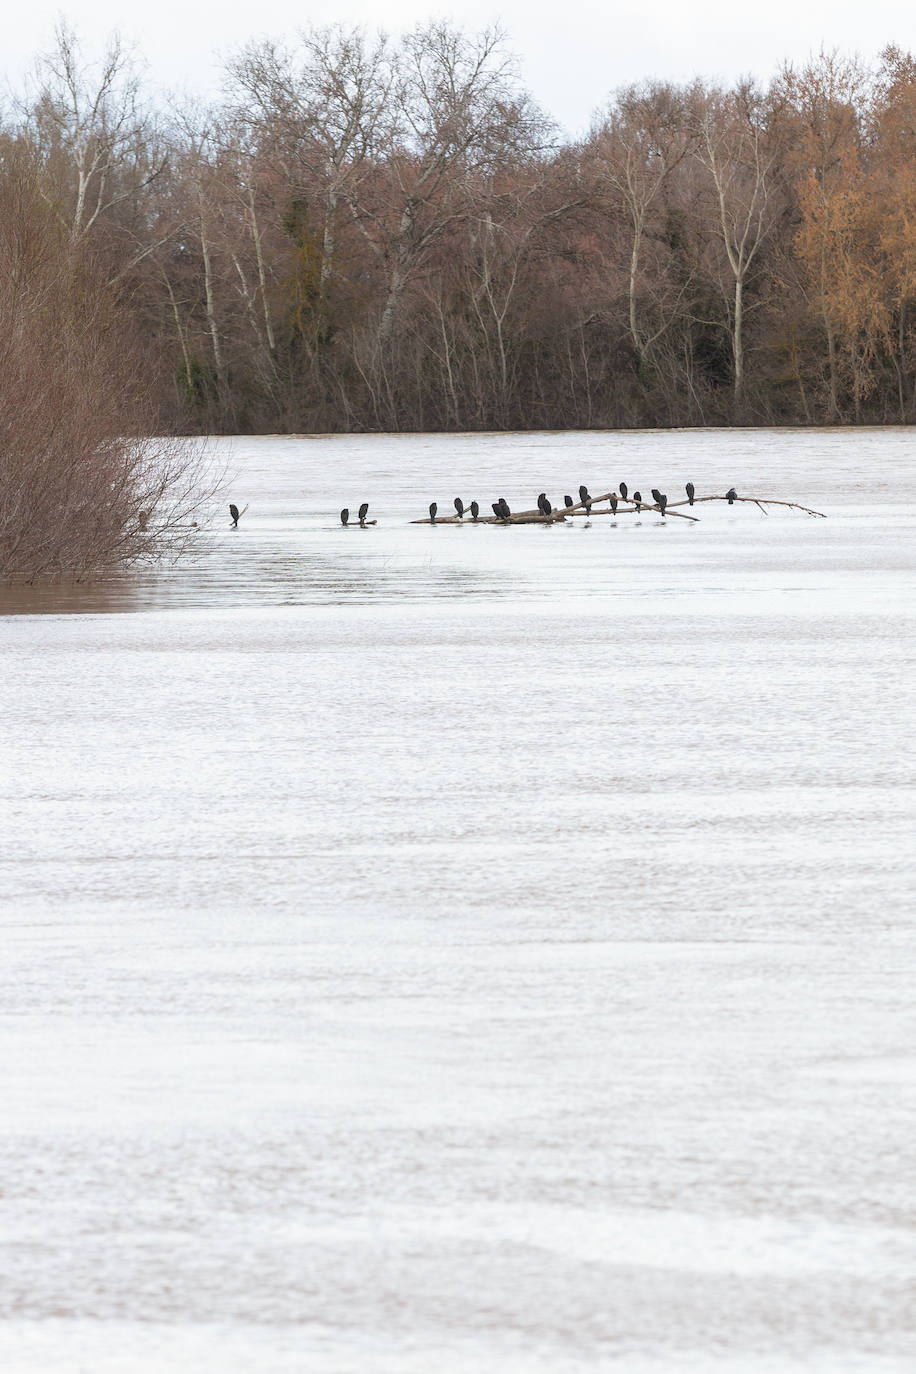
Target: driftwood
624, 507
760, 501
556, 516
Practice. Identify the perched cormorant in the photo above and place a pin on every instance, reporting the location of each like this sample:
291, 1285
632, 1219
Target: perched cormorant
547, 507
585, 499
622, 488
637, 498
569, 501
731, 496
344, 516
613, 505
691, 492
583, 493
496, 511
459, 506
363, 511
662, 501
235, 513
475, 510
432, 511
504, 510
656, 495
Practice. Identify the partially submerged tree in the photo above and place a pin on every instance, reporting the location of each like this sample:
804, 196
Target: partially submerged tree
84, 490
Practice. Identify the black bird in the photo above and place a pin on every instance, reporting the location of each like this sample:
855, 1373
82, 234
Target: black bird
459, 506
569, 501
622, 488
662, 501
613, 505
432, 511
363, 511
546, 507
504, 510
656, 495
475, 510
731, 496
344, 516
235, 513
637, 497
496, 511
585, 499
542, 497
691, 492
583, 493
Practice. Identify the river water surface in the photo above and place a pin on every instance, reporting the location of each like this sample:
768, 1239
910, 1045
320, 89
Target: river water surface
459, 950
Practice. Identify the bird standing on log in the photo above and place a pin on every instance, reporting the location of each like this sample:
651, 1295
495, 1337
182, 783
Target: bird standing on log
691, 492
569, 501
504, 510
637, 499
731, 496
363, 512
235, 513
662, 502
613, 505
656, 495
459, 507
585, 499
622, 488
344, 516
432, 511
475, 510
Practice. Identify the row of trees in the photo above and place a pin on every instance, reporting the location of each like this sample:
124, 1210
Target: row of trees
374, 235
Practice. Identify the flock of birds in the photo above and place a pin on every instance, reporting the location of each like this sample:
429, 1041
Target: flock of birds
502, 511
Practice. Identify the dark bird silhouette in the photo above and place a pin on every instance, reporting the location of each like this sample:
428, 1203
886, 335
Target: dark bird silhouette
344, 516
459, 506
569, 501
235, 513
542, 496
622, 488
143, 519
585, 499
475, 510
662, 501
656, 495
583, 493
432, 511
613, 505
496, 511
504, 510
691, 492
637, 497
731, 496
547, 507
363, 511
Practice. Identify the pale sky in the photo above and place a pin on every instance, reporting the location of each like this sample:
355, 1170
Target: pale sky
572, 54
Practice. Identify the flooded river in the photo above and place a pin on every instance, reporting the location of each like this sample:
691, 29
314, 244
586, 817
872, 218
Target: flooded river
470, 950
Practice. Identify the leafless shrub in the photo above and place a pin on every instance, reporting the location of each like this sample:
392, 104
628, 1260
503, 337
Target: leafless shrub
84, 490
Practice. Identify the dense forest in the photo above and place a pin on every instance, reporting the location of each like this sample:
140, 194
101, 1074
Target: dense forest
372, 235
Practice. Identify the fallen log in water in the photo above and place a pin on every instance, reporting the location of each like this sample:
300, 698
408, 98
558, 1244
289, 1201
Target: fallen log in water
760, 501
624, 507
558, 514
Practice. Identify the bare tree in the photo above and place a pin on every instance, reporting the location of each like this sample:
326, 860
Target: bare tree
735, 146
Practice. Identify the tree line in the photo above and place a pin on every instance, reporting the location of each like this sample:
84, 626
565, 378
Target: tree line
363, 234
